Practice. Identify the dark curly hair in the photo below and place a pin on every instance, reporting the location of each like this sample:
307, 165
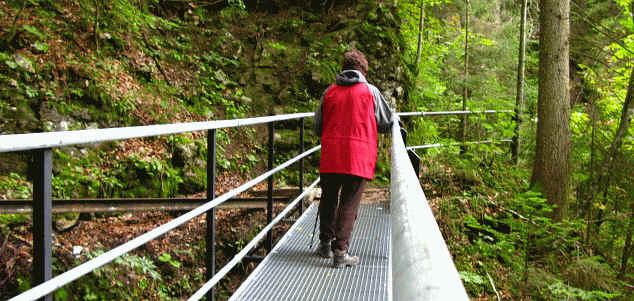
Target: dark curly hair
355, 60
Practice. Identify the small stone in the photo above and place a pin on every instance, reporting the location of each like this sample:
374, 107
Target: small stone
24, 63
62, 126
399, 91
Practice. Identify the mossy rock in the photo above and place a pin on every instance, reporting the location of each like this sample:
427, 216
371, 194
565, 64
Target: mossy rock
65, 221
265, 79
16, 162
20, 119
194, 178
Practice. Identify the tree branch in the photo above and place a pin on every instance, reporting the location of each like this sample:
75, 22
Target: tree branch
599, 27
158, 65
13, 26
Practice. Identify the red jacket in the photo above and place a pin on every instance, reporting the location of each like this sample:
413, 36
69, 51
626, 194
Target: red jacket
351, 113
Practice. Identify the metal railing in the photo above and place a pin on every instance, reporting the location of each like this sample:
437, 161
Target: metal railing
435, 145
411, 149
440, 113
423, 269
133, 204
41, 145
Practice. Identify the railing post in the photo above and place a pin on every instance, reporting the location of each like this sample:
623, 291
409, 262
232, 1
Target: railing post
515, 143
413, 157
42, 218
269, 207
301, 164
211, 223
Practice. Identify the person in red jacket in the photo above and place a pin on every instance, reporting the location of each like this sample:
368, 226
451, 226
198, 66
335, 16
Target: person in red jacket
351, 113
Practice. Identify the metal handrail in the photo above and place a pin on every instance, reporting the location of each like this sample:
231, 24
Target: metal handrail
439, 113
407, 212
41, 145
426, 146
20, 142
424, 269
25, 206
87, 267
243, 253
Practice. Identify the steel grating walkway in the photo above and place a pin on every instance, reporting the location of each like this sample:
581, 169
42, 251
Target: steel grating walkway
293, 272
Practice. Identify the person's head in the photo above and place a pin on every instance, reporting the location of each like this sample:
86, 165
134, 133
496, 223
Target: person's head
355, 60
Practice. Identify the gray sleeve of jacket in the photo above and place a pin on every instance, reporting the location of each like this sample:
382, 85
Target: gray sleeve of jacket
382, 111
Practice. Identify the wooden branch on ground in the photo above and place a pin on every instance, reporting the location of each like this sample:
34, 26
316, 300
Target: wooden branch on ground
14, 29
158, 65
492, 285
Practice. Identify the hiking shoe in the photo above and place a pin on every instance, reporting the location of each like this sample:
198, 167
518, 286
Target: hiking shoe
345, 260
325, 250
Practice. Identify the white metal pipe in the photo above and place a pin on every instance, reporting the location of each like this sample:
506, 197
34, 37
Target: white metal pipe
422, 113
455, 143
423, 268
89, 266
20, 142
238, 257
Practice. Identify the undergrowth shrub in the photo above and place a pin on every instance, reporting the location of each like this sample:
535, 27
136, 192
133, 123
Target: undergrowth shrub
543, 285
15, 186
130, 277
591, 273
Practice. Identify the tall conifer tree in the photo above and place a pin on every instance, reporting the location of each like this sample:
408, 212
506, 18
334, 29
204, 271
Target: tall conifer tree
551, 171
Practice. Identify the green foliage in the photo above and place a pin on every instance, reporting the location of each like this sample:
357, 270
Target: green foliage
472, 281
470, 277
507, 226
594, 122
95, 175
11, 221
560, 290
15, 186
34, 31
166, 257
153, 175
591, 273
83, 176
128, 277
24, 283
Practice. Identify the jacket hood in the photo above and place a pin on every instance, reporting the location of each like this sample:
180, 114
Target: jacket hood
350, 77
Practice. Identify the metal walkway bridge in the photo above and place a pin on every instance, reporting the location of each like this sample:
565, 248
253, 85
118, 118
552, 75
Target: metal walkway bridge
403, 254
293, 272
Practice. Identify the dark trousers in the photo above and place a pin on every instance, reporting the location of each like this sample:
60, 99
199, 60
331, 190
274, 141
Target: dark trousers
338, 211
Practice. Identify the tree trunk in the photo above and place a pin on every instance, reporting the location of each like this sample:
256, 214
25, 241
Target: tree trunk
519, 97
466, 78
421, 28
551, 171
627, 248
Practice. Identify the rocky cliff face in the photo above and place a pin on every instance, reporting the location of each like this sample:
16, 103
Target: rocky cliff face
183, 62
290, 56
